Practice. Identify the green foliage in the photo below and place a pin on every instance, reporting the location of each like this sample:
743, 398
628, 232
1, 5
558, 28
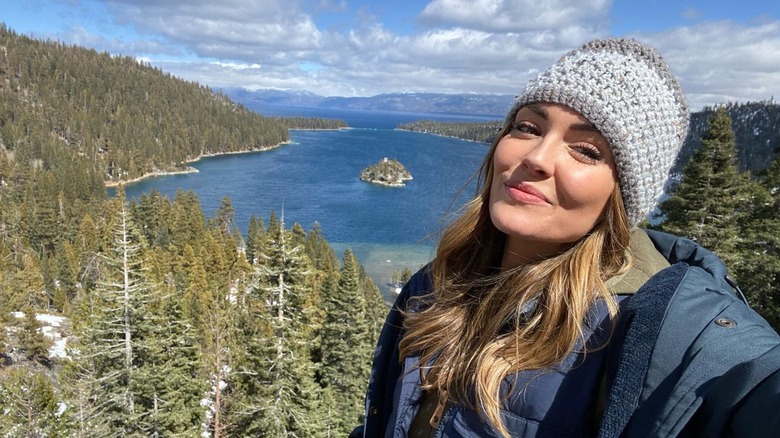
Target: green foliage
758, 267
29, 405
348, 340
483, 132
285, 397
727, 211
310, 123
713, 195
756, 130
67, 107
32, 340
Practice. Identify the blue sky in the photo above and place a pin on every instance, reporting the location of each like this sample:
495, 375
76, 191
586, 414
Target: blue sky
721, 50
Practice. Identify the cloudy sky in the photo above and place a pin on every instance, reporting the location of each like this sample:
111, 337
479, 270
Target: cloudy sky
723, 50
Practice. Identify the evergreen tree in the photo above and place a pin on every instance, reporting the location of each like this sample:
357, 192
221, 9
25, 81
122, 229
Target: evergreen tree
376, 310
29, 405
287, 401
27, 284
110, 323
319, 251
758, 267
32, 340
255, 238
713, 195
167, 384
346, 349
225, 219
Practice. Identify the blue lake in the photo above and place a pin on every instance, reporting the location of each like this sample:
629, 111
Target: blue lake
315, 179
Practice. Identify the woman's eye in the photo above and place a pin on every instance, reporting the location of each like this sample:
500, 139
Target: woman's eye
526, 127
588, 152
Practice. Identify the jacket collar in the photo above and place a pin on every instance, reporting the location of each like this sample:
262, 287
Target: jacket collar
646, 262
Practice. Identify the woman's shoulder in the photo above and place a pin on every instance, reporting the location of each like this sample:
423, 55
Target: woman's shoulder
682, 331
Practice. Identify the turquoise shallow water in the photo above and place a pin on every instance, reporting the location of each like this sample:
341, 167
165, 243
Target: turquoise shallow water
316, 179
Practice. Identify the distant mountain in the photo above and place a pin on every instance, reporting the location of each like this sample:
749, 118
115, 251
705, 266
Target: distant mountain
473, 104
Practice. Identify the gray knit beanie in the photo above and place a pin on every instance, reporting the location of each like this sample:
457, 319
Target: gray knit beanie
624, 88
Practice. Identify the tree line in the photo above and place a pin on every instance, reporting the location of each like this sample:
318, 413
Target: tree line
483, 132
310, 123
181, 326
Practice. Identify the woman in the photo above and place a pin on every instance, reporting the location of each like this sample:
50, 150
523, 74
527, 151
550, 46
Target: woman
547, 313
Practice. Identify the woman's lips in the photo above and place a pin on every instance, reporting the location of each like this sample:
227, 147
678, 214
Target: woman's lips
526, 193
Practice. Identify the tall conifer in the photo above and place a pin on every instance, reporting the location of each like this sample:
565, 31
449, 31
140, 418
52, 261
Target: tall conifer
712, 195
346, 346
286, 399
758, 267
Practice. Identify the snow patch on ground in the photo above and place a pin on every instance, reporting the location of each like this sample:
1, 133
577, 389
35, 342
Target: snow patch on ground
52, 327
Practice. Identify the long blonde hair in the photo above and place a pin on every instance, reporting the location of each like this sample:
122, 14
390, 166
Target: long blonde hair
472, 331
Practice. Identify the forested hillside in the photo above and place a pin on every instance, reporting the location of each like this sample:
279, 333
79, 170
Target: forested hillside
112, 114
168, 323
483, 132
756, 128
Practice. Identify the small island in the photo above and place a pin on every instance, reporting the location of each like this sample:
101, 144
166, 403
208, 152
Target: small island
386, 172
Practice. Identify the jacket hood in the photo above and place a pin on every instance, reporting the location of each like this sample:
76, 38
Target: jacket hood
679, 249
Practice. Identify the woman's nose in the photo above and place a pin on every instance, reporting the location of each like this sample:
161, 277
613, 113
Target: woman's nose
539, 158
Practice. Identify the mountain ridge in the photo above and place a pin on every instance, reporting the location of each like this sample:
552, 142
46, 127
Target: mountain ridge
411, 102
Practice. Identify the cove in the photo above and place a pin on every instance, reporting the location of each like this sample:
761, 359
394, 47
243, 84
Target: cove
315, 178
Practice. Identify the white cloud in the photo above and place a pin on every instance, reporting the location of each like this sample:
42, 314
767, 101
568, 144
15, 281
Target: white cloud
722, 61
481, 46
229, 29
235, 66
516, 15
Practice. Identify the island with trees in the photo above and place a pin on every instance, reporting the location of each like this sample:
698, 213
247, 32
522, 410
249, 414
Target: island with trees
388, 172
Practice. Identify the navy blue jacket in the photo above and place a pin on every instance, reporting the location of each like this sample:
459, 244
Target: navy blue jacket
688, 358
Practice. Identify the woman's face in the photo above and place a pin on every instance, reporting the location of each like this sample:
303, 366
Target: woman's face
553, 174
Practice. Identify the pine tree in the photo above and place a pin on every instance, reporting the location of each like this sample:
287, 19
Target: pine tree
376, 309
225, 220
32, 340
346, 348
758, 267
713, 195
280, 362
319, 251
168, 361
29, 405
110, 321
255, 238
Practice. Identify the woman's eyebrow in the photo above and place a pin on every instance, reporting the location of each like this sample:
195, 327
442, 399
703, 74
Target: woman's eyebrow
584, 127
540, 111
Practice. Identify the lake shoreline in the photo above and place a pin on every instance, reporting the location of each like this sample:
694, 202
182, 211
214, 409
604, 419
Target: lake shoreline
188, 169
